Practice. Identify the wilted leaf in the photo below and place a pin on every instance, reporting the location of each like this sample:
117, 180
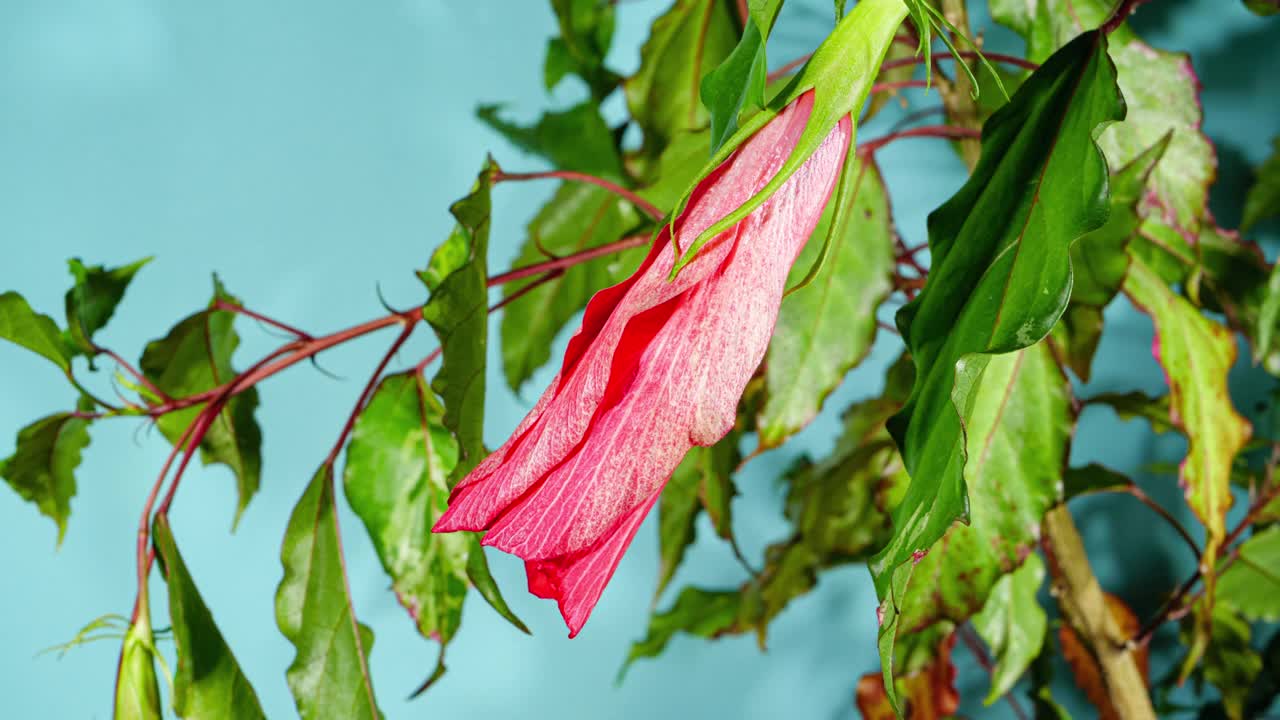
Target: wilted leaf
329, 675
1263, 200
1013, 625
195, 356
702, 613
685, 43
586, 31
1252, 583
1085, 668
827, 327
91, 302
42, 467
930, 693
34, 331
457, 277
209, 682
702, 481
575, 139
1134, 405
578, 217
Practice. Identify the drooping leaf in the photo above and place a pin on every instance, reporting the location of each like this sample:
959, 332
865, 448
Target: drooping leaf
685, 43
1264, 8
457, 277
137, 689
1230, 663
195, 356
396, 480
1196, 354
930, 692
92, 301
1252, 583
1160, 89
827, 327
578, 217
586, 32
1084, 667
1263, 200
1092, 478
42, 467
702, 481
1133, 405
702, 613
34, 331
1013, 625
738, 83
209, 683
575, 139
1000, 278
329, 675
1099, 262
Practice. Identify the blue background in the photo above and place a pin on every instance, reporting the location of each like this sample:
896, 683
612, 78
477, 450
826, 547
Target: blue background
307, 152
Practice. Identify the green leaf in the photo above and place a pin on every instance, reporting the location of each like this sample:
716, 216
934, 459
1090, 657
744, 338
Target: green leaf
1099, 261
397, 482
1160, 89
586, 31
578, 217
827, 327
1133, 405
458, 311
32, 330
738, 83
1093, 478
576, 139
137, 689
1017, 432
42, 467
1230, 662
1266, 687
686, 42
1013, 624
1000, 279
1263, 200
1040, 693
1265, 8
1252, 583
1196, 354
702, 613
194, 357
92, 301
329, 675
209, 682
1264, 329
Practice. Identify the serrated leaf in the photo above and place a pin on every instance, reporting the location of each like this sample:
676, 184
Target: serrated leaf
578, 217
42, 467
137, 689
329, 676
575, 139
826, 327
1160, 89
696, 612
457, 278
930, 692
586, 32
1013, 625
34, 331
1252, 583
1263, 200
195, 356
1000, 279
738, 83
209, 682
396, 480
684, 44
92, 301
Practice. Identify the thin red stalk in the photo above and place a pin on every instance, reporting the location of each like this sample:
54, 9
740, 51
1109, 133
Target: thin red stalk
203, 422
368, 390
787, 69
938, 131
967, 55
567, 261
242, 310
645, 206
971, 640
144, 522
744, 13
896, 86
1145, 499
142, 379
1122, 12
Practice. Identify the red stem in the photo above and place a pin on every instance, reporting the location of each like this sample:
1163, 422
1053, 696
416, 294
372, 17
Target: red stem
940, 131
233, 307
368, 390
967, 55
896, 86
645, 206
144, 522
1122, 12
568, 261
124, 364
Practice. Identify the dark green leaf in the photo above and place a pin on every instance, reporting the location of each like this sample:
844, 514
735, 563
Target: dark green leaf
1266, 687
329, 675
91, 302
586, 31
1230, 663
1132, 405
697, 612
827, 327
575, 139
1000, 279
209, 682
1093, 478
677, 168
578, 217
1040, 693
458, 311
42, 467
686, 42
1252, 583
1263, 200
738, 83
32, 330
1013, 624
397, 481
137, 691
1264, 8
